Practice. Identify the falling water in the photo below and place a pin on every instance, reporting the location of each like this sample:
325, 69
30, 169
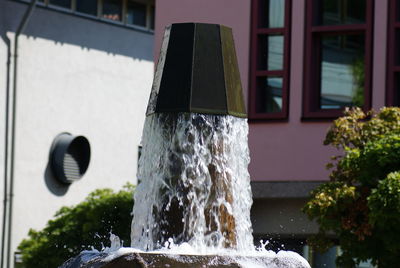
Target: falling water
193, 200
195, 186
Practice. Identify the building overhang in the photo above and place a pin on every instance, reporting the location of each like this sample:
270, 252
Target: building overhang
283, 189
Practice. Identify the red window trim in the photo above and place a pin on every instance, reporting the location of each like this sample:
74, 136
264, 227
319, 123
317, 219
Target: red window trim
311, 108
391, 54
255, 73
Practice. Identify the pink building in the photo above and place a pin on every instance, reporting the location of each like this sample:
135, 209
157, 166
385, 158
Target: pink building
301, 63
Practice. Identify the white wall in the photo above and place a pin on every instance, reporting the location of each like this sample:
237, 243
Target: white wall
80, 76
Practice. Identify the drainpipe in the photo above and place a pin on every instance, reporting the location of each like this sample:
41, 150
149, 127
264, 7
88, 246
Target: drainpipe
6, 136
20, 29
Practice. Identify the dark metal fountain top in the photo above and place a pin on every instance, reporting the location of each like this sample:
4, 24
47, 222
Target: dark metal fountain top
197, 72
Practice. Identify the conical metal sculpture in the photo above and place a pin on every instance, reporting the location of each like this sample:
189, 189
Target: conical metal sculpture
197, 72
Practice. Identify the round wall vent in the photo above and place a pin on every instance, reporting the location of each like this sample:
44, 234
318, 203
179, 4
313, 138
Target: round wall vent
69, 157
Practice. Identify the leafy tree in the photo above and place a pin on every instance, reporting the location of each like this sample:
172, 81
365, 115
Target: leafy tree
81, 227
360, 205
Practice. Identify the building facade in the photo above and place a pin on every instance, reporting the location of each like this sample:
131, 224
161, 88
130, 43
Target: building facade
301, 62
86, 67
83, 67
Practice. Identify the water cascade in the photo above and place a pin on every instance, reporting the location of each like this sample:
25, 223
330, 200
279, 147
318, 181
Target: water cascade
195, 186
194, 195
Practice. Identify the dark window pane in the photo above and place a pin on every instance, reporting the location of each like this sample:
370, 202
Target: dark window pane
270, 52
87, 6
136, 14
272, 13
342, 71
152, 17
397, 45
396, 95
397, 4
269, 90
326, 259
333, 12
61, 3
112, 9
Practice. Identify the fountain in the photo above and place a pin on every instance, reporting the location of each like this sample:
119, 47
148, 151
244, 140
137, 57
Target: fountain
192, 207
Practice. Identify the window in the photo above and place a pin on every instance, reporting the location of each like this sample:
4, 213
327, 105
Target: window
393, 72
338, 57
61, 3
136, 13
152, 18
87, 7
112, 10
132, 13
269, 79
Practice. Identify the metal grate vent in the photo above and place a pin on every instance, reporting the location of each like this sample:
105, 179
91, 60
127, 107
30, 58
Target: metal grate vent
71, 167
69, 157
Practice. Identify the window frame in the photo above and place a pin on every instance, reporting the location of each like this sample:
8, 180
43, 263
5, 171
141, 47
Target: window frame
313, 33
392, 69
256, 31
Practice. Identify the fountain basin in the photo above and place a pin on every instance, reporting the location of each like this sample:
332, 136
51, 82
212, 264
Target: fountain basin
282, 259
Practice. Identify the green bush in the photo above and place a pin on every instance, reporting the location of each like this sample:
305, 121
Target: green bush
84, 226
360, 206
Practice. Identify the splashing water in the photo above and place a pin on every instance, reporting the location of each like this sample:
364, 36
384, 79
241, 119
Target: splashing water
194, 198
195, 186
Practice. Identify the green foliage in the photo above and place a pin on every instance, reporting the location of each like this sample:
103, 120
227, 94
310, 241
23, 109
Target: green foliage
360, 206
358, 70
80, 227
384, 205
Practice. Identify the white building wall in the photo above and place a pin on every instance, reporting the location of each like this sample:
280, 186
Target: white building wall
80, 76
